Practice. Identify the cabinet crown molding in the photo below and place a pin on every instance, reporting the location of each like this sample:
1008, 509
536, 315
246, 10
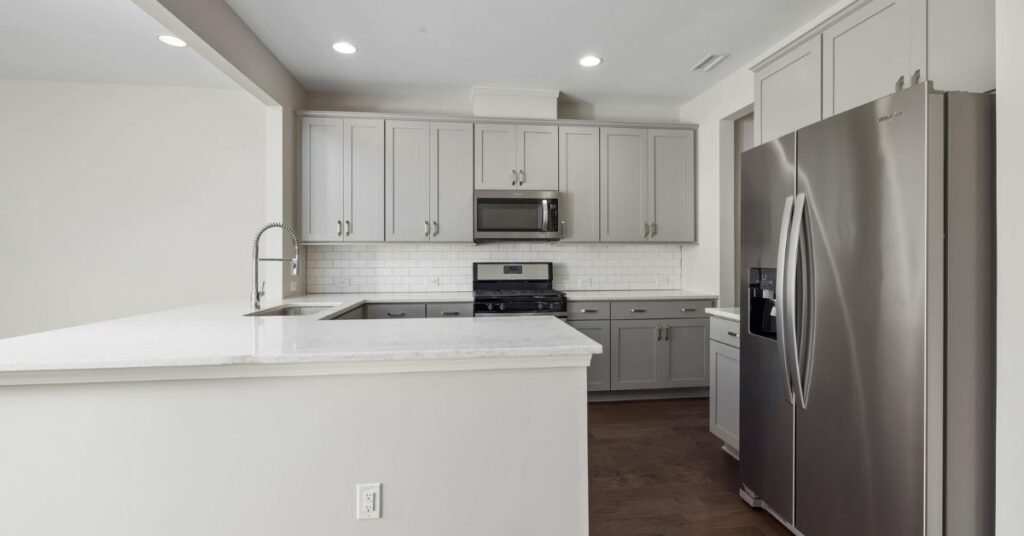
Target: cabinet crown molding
809, 34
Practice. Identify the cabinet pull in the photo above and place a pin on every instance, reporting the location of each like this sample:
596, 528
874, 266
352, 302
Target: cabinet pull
647, 229
449, 313
426, 228
899, 83
522, 177
515, 177
654, 229
339, 227
687, 310
394, 314
732, 333
348, 227
665, 338
659, 333
638, 310
435, 228
588, 310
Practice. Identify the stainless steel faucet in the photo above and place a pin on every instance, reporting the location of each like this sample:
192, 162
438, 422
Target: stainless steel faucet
257, 291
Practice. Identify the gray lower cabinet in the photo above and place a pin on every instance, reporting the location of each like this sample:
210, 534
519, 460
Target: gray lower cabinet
395, 310
725, 393
449, 310
599, 372
635, 355
685, 345
659, 353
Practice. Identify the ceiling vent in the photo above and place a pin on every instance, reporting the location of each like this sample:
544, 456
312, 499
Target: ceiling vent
709, 62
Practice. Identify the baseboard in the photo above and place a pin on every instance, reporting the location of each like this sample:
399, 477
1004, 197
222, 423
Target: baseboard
653, 394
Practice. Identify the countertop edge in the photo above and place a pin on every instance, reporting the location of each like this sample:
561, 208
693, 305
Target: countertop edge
723, 313
568, 359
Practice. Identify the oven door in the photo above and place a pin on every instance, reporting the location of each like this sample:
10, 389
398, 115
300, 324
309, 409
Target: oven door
515, 215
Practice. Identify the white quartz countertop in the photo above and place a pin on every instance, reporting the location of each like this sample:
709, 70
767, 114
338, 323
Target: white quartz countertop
618, 295
728, 313
216, 340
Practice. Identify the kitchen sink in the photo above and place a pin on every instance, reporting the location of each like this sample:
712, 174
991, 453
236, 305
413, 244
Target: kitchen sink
291, 310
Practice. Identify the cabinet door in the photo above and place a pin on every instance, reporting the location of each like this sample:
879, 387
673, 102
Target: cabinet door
364, 180
686, 353
579, 183
865, 53
451, 177
635, 359
537, 156
671, 189
322, 163
496, 166
787, 93
407, 181
599, 372
725, 393
623, 184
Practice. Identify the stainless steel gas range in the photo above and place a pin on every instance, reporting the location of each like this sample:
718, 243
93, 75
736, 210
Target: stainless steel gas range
516, 289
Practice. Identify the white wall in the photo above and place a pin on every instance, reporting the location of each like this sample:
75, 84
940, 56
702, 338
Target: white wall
122, 199
1010, 258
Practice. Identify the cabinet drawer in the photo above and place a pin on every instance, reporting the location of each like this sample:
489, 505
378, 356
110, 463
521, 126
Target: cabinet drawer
395, 310
629, 310
449, 310
725, 331
589, 310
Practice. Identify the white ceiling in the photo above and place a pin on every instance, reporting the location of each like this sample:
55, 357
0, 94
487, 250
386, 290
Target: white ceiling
436, 46
101, 41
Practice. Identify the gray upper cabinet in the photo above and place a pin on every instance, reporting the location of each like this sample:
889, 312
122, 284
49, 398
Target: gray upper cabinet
342, 180
647, 185
686, 353
429, 177
599, 372
579, 183
322, 162
451, 182
407, 181
865, 54
516, 157
363, 180
624, 195
635, 360
496, 167
672, 208
787, 92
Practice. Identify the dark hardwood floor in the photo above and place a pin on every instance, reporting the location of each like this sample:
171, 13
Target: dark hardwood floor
656, 469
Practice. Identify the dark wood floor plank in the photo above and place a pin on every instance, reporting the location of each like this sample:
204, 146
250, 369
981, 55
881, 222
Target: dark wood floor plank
656, 470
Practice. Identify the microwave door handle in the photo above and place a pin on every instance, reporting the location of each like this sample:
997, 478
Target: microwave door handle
544, 215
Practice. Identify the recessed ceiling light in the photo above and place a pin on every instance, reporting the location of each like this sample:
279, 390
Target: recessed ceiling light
590, 61
344, 47
171, 40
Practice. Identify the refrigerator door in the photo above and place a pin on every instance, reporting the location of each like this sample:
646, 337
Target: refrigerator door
860, 423
768, 178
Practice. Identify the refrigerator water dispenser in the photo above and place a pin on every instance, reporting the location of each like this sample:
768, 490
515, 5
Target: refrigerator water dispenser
762, 310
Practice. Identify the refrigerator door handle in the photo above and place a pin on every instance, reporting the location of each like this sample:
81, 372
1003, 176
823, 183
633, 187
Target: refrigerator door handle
790, 317
782, 308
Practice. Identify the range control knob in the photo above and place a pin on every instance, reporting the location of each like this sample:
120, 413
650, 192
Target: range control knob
490, 306
541, 306
501, 306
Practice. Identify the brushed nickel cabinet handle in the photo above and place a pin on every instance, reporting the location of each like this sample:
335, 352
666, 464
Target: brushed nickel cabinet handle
522, 177
647, 229
588, 310
515, 177
638, 310
732, 333
394, 314
435, 228
667, 331
339, 227
426, 228
449, 313
654, 229
659, 333
687, 310
348, 227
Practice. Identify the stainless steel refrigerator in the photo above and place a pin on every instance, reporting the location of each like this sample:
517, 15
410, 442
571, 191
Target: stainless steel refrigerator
867, 373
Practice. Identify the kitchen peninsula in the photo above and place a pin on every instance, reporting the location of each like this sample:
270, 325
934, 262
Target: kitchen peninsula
149, 424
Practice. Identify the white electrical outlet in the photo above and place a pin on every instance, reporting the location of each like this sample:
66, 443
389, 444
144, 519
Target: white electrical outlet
368, 501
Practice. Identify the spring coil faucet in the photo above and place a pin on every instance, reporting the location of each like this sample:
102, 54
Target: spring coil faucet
257, 291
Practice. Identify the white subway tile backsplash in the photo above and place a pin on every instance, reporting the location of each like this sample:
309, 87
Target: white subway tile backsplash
449, 267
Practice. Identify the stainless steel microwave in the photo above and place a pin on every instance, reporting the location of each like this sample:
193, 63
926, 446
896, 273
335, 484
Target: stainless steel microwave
515, 215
